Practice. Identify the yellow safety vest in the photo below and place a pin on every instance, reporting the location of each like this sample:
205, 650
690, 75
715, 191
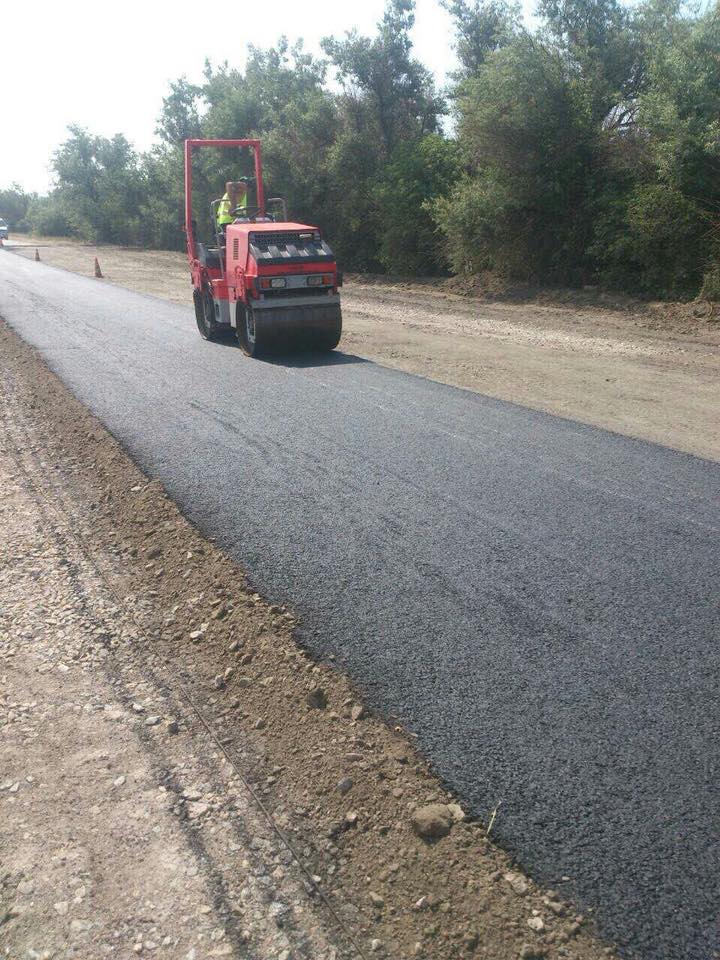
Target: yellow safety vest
224, 214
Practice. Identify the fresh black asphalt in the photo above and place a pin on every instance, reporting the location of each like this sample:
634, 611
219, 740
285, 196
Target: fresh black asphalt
536, 599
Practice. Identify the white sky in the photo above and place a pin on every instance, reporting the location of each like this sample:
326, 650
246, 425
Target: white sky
107, 66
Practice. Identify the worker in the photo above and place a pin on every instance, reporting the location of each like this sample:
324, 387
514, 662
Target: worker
235, 196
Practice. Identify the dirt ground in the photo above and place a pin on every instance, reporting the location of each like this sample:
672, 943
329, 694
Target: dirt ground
644, 370
177, 778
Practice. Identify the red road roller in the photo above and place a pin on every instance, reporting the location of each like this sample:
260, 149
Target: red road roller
272, 282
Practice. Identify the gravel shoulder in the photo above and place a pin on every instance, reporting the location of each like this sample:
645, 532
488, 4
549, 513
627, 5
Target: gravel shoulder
648, 371
178, 778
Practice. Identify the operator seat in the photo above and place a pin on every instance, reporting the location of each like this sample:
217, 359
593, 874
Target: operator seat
208, 256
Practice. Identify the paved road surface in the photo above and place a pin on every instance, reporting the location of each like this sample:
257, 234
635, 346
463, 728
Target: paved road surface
538, 600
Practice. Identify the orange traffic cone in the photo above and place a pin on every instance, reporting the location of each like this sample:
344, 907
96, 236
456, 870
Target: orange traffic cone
37, 254
98, 271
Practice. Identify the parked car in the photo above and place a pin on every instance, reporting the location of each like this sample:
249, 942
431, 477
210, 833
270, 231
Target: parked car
4, 230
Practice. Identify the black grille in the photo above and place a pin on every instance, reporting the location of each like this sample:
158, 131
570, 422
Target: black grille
277, 238
286, 246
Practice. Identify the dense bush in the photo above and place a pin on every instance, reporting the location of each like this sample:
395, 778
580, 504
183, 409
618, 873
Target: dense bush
592, 150
521, 210
14, 203
418, 174
585, 151
46, 216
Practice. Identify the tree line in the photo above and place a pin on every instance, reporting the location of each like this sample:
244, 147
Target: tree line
583, 151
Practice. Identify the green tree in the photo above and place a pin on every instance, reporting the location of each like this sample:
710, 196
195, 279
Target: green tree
418, 173
101, 186
180, 115
481, 26
251, 102
14, 203
521, 209
279, 97
396, 90
587, 149
662, 236
161, 211
387, 100
601, 45
48, 216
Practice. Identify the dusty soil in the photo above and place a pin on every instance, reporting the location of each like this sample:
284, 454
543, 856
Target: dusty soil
645, 370
178, 779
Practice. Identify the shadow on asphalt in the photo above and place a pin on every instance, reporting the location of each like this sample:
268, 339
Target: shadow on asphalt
312, 358
300, 358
